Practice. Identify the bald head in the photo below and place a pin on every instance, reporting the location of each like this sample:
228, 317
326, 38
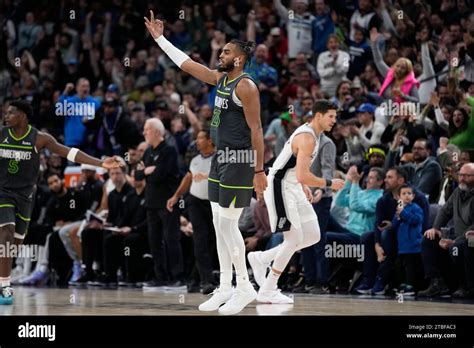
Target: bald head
466, 177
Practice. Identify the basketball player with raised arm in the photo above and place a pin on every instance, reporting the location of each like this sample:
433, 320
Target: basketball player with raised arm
288, 200
20, 144
235, 126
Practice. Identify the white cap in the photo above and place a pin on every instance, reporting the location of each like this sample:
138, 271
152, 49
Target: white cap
303, 1
88, 167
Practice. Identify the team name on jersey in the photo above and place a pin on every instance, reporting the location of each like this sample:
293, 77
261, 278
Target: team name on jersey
15, 154
221, 103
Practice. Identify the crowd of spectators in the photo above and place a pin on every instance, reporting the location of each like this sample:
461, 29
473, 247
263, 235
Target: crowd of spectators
401, 73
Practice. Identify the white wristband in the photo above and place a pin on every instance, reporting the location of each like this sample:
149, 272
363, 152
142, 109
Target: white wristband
176, 55
71, 156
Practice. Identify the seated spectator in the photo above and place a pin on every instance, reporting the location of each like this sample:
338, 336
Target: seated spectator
380, 243
64, 212
361, 204
375, 156
407, 224
125, 246
90, 190
440, 242
93, 235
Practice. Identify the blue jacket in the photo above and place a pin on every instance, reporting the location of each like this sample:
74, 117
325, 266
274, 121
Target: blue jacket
409, 229
387, 207
322, 27
74, 128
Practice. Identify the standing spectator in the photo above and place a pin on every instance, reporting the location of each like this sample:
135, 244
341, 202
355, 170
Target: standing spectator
27, 32
75, 132
117, 131
461, 127
400, 83
363, 18
199, 209
160, 169
264, 75
369, 133
333, 66
360, 54
298, 26
407, 224
322, 26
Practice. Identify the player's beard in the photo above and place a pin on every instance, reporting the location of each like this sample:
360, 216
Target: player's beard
225, 67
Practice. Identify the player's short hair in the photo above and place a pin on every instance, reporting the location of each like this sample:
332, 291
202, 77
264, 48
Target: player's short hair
23, 106
246, 47
323, 106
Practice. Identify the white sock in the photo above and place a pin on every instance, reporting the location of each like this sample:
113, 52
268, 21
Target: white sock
271, 281
4, 281
229, 225
225, 262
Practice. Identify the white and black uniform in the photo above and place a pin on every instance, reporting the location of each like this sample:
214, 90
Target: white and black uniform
286, 201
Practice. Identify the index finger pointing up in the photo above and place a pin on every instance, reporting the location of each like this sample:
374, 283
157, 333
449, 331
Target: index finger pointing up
152, 17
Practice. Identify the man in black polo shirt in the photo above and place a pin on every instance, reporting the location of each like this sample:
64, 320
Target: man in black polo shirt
160, 169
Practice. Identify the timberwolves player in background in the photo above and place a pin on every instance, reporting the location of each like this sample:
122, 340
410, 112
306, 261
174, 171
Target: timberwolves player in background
288, 200
235, 125
20, 144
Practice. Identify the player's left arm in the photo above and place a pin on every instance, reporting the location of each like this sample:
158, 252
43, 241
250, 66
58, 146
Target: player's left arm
45, 140
247, 92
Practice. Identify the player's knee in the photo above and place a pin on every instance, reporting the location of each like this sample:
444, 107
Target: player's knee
312, 233
294, 239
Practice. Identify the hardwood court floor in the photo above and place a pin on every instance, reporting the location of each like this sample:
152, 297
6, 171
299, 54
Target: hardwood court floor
46, 301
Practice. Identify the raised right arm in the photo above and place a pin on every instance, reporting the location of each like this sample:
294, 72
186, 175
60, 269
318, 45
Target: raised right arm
181, 59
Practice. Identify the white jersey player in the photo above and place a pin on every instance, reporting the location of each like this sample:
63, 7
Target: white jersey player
288, 200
